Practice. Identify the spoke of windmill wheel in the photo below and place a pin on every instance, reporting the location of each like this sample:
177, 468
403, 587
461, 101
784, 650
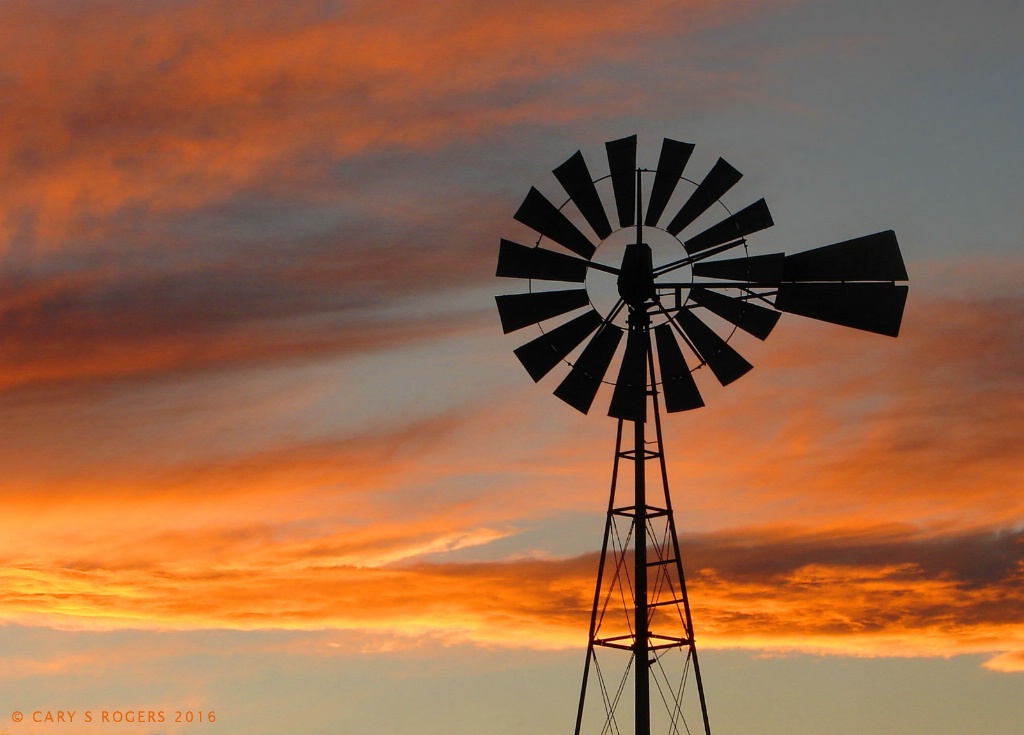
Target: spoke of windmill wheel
869, 258
719, 180
622, 164
726, 364
629, 400
520, 261
872, 307
575, 178
750, 219
522, 309
540, 355
762, 269
677, 382
751, 318
543, 216
674, 156
580, 386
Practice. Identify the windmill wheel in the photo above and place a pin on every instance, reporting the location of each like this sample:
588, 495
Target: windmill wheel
692, 295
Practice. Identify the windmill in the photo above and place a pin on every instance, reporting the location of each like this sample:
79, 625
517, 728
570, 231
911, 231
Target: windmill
679, 300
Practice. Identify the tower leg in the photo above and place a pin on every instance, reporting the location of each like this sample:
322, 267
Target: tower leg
679, 564
641, 663
600, 579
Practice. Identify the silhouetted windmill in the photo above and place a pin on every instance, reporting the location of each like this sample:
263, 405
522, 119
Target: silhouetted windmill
692, 294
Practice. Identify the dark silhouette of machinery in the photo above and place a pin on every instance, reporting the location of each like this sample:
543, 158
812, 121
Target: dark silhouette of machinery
680, 303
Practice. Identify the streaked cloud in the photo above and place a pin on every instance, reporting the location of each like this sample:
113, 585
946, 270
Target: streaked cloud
118, 109
806, 545
873, 593
190, 187
170, 325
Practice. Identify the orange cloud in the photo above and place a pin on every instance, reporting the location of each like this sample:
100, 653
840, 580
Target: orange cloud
188, 187
781, 600
1007, 662
156, 109
855, 524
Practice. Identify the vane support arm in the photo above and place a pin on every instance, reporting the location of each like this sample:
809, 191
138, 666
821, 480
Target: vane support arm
696, 257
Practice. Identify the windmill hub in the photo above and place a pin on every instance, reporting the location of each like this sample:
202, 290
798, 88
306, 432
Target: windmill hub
603, 286
636, 275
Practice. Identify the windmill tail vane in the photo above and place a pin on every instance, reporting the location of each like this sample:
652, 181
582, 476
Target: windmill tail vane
677, 279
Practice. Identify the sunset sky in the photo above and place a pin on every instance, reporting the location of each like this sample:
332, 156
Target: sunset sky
265, 451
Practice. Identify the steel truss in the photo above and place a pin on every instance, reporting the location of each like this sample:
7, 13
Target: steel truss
641, 612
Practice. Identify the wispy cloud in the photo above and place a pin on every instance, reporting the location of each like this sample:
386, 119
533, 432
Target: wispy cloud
189, 186
117, 109
169, 325
868, 594
837, 534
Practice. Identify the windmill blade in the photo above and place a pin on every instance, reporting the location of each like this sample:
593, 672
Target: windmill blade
677, 382
751, 219
725, 362
766, 269
574, 176
580, 386
751, 318
522, 309
674, 156
719, 180
544, 217
540, 355
629, 400
870, 258
622, 164
873, 307
520, 261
